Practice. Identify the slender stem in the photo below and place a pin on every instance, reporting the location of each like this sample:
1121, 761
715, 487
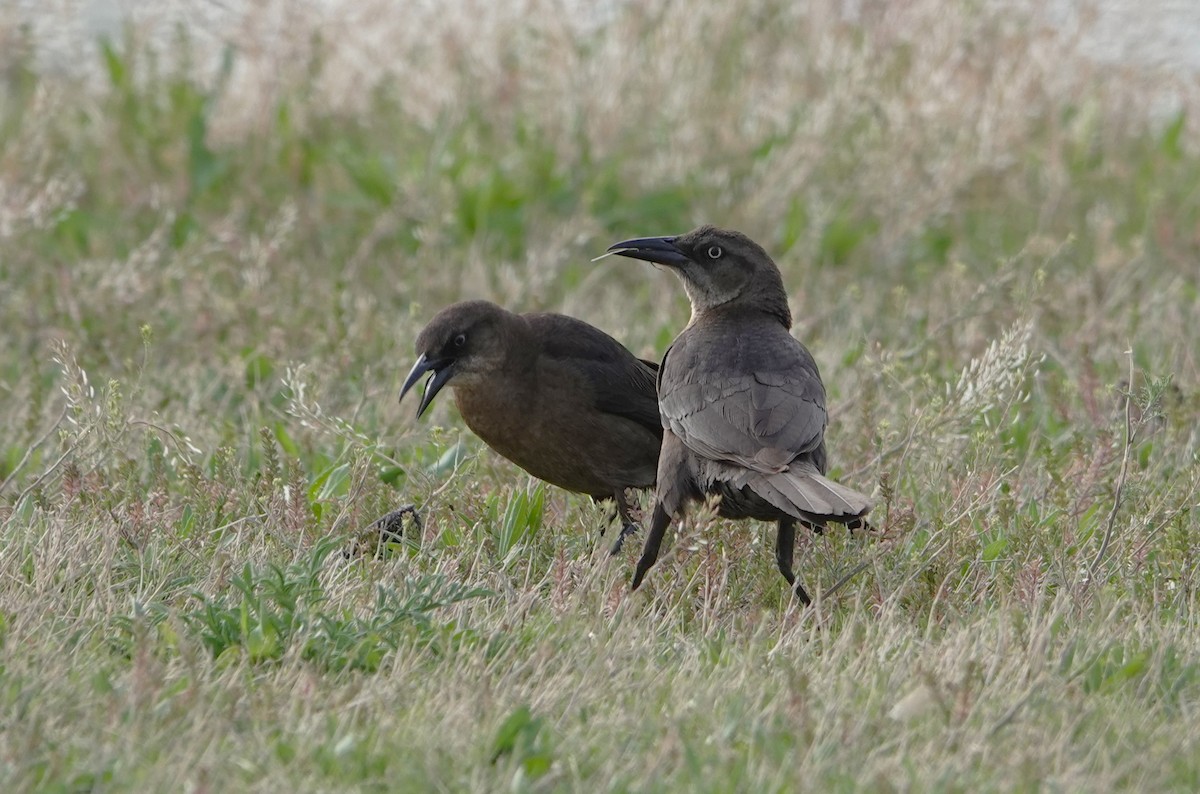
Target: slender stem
1111, 523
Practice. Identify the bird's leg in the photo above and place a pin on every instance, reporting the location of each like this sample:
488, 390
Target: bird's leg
608, 519
658, 527
785, 545
628, 526
860, 523
817, 528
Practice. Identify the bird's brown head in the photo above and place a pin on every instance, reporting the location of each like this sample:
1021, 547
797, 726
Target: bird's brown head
463, 343
718, 268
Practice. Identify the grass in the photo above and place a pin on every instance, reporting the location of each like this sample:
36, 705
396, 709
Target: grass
213, 262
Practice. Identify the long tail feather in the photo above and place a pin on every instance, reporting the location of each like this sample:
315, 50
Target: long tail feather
812, 495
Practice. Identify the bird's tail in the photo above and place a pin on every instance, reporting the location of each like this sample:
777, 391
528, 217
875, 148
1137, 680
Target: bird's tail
805, 493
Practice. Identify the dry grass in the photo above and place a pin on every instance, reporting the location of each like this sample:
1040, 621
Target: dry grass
211, 273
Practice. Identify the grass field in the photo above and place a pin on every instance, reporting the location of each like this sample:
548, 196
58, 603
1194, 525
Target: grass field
212, 268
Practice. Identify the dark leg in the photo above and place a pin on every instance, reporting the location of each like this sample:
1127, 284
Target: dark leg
817, 529
628, 526
860, 523
607, 519
785, 546
658, 527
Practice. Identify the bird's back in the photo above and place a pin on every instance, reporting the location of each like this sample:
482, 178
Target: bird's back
620, 384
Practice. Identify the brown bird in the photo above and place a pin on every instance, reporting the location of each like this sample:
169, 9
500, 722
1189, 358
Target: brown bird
558, 397
742, 402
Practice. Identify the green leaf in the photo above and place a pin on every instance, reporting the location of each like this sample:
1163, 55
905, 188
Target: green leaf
374, 176
114, 64
263, 642
994, 549
1169, 144
258, 368
334, 481
450, 459
537, 764
517, 731
389, 475
285, 441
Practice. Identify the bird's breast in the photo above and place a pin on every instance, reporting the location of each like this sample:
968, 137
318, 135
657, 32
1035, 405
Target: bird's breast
496, 411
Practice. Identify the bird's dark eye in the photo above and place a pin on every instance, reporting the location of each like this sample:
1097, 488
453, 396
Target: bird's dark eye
714, 252
460, 340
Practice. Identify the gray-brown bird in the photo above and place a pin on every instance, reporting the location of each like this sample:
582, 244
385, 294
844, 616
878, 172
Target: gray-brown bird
558, 397
742, 402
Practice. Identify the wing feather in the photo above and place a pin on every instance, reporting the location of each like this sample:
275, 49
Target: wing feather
759, 404
621, 383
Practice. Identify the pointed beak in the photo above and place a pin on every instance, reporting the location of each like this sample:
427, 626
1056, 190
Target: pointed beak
442, 372
659, 250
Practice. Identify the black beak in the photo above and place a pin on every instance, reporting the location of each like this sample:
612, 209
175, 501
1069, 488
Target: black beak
660, 250
442, 372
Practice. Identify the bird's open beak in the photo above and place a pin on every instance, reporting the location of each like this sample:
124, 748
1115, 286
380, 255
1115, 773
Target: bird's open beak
660, 250
442, 372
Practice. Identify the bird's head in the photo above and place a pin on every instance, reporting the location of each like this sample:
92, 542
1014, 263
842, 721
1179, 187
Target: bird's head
718, 268
463, 343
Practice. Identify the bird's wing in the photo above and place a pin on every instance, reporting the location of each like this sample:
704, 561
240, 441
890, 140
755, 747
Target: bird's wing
758, 407
621, 384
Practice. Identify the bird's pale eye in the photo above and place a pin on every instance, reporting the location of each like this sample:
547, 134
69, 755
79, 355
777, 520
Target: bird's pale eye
714, 252
460, 340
